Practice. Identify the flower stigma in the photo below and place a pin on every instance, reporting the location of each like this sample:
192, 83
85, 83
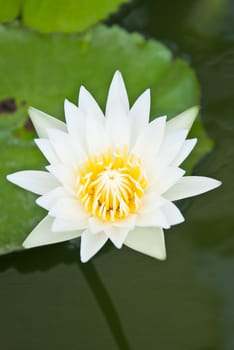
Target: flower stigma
110, 185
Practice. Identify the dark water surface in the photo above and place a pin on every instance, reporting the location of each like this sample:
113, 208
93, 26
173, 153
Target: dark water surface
122, 299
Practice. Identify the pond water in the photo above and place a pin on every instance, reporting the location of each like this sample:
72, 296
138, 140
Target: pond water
122, 299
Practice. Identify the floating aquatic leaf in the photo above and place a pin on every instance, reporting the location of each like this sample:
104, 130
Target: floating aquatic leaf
49, 68
66, 16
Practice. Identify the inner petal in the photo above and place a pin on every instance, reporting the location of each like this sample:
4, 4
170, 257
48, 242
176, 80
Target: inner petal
110, 185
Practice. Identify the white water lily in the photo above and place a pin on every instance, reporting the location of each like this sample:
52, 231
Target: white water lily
111, 177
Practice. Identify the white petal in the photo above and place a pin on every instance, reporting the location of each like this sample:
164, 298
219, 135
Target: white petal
91, 244
46, 148
167, 179
154, 218
128, 222
117, 108
170, 148
117, 101
117, 235
69, 209
43, 121
139, 115
63, 147
184, 152
189, 186
96, 225
150, 202
42, 234
182, 121
35, 181
149, 141
172, 214
118, 132
50, 198
96, 136
60, 225
75, 119
89, 106
64, 175
148, 241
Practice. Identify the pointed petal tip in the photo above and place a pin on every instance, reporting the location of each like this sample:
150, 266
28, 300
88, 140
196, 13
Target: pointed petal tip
9, 177
81, 94
32, 109
117, 73
217, 183
84, 91
183, 120
68, 107
190, 186
147, 91
194, 110
82, 88
26, 245
12, 177
118, 245
118, 76
66, 102
33, 112
163, 257
211, 183
15, 178
84, 260
146, 94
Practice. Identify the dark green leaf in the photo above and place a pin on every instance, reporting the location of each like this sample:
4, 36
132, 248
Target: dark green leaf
48, 69
9, 10
66, 16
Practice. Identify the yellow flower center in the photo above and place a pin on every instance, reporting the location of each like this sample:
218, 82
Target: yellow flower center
110, 185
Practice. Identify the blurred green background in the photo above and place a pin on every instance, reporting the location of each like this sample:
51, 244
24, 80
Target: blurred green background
121, 299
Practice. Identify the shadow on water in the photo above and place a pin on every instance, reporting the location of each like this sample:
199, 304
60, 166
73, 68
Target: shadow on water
68, 254
104, 301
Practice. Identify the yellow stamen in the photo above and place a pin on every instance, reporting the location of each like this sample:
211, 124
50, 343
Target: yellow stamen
110, 185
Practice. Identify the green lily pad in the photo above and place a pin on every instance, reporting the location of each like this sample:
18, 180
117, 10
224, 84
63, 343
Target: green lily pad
9, 10
66, 16
48, 69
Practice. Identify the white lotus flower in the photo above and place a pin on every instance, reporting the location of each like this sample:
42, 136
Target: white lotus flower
112, 177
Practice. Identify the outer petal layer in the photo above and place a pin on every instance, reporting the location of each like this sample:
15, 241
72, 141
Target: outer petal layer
39, 182
89, 105
189, 186
183, 120
184, 151
43, 121
117, 101
117, 108
117, 235
139, 115
43, 235
69, 209
148, 241
91, 244
46, 148
75, 119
